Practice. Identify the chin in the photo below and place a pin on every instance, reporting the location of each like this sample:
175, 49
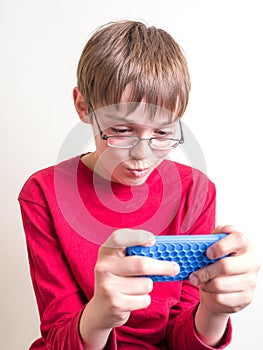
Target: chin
137, 182
131, 182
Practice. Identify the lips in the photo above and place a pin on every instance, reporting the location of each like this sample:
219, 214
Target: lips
139, 172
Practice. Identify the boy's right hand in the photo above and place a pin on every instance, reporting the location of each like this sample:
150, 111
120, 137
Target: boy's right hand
117, 290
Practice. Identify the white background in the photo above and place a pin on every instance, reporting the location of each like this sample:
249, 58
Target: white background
41, 42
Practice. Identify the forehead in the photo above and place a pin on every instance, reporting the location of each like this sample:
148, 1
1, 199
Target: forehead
139, 113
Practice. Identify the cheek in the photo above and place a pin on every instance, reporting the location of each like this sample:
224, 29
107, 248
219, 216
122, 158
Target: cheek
111, 157
100, 144
160, 154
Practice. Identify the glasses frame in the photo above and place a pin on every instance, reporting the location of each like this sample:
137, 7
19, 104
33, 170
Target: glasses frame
149, 139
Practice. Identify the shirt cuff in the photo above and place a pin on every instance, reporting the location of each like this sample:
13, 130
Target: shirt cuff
111, 343
199, 344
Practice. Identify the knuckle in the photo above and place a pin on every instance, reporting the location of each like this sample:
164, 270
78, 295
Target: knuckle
241, 239
122, 317
114, 239
148, 285
115, 305
204, 275
140, 266
101, 268
252, 282
235, 303
225, 266
105, 290
257, 266
218, 285
219, 299
146, 301
247, 299
244, 303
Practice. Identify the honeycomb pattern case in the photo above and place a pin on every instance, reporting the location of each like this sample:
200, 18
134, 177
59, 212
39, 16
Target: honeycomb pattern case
188, 251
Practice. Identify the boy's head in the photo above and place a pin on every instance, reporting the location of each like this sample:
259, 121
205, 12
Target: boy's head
129, 54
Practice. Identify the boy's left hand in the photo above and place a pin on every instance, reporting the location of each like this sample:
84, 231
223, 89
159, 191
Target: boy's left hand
227, 286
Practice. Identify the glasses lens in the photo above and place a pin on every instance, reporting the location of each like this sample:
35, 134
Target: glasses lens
122, 141
129, 142
162, 143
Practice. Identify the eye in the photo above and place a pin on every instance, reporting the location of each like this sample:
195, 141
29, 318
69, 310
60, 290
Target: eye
121, 130
161, 133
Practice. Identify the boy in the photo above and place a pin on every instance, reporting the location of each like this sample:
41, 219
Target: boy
133, 87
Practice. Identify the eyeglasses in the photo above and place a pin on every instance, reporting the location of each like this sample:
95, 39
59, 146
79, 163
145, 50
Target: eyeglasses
156, 143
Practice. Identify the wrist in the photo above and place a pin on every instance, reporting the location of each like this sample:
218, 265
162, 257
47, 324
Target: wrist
92, 333
210, 326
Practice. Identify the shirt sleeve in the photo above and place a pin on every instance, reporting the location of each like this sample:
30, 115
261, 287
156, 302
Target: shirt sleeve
60, 300
181, 333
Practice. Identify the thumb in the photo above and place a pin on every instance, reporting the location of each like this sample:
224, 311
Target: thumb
224, 229
122, 238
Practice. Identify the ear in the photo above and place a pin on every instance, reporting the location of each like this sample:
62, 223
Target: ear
80, 105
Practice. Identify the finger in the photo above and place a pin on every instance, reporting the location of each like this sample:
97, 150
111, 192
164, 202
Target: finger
122, 238
128, 303
135, 285
136, 266
229, 284
224, 229
229, 266
231, 302
235, 243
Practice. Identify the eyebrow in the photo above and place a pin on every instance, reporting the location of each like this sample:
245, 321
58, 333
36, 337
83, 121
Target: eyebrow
134, 122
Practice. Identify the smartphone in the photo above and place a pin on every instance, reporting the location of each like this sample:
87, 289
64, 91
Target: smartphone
189, 251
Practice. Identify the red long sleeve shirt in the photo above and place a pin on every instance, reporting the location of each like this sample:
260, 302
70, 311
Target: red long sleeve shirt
68, 212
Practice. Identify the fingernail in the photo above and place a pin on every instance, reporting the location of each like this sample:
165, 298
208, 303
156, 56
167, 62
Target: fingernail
210, 253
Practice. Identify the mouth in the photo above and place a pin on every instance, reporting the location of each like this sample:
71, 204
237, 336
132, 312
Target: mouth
139, 172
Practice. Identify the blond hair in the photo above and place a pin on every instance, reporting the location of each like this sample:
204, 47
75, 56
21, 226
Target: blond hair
128, 52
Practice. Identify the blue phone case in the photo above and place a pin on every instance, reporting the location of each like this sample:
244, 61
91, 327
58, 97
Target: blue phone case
189, 251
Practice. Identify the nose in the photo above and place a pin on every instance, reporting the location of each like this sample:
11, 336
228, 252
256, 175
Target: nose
141, 151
